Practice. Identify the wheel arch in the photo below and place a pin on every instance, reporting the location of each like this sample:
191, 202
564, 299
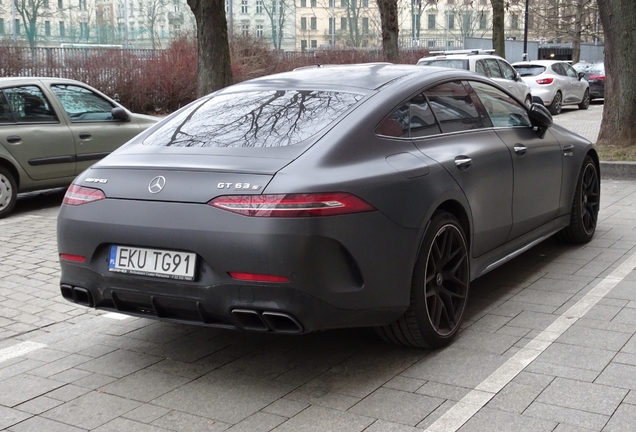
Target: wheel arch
12, 169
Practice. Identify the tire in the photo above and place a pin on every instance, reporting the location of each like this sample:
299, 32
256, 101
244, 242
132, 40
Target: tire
585, 206
439, 288
528, 101
8, 192
585, 103
557, 104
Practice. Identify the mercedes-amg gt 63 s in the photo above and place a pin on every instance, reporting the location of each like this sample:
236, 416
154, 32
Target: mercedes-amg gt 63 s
326, 197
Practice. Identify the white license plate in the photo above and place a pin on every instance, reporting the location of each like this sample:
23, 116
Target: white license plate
152, 262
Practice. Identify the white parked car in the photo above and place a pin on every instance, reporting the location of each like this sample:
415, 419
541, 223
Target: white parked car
483, 62
556, 82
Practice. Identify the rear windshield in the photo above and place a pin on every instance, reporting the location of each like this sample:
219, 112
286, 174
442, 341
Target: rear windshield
590, 68
449, 63
529, 70
253, 119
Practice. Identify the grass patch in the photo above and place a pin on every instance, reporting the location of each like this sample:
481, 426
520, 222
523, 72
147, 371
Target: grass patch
610, 153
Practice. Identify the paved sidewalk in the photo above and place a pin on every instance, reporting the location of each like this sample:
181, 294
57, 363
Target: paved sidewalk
549, 344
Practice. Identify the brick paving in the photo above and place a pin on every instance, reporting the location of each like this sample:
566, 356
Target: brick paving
69, 368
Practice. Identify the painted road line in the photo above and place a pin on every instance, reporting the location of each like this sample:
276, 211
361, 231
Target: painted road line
460, 413
19, 350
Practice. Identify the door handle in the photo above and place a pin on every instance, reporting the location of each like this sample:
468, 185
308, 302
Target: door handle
14, 138
84, 135
463, 162
568, 150
520, 149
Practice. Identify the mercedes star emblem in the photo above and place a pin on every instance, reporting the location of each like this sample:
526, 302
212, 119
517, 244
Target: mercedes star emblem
156, 184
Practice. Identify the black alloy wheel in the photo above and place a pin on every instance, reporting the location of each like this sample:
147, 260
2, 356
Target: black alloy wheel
439, 290
585, 205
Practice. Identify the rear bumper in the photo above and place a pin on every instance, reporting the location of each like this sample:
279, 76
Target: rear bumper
343, 271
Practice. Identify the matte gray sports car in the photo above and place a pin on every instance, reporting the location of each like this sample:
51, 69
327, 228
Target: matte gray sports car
327, 197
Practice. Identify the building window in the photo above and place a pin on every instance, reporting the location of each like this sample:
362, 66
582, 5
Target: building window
1, 26
60, 4
332, 3
46, 4
259, 31
303, 45
431, 21
451, 22
62, 30
468, 19
313, 3
343, 23
83, 30
365, 25
343, 3
17, 26
313, 23
483, 21
47, 28
514, 22
245, 29
451, 1
331, 25
483, 2
365, 3
314, 43
82, 5
259, 6
303, 3
244, 6
303, 23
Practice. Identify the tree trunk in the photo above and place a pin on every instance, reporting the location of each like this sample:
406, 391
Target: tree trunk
389, 20
498, 34
213, 47
619, 110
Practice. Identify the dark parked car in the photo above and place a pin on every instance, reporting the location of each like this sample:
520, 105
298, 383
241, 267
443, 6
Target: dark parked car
302, 201
595, 76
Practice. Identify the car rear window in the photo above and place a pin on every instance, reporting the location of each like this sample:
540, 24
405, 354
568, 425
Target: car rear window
449, 63
532, 70
253, 119
590, 68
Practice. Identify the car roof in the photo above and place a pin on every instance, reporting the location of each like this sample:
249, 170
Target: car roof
538, 63
30, 80
364, 77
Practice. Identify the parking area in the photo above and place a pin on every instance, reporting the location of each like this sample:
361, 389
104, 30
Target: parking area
549, 344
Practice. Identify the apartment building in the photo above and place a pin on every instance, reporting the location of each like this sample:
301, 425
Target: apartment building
292, 25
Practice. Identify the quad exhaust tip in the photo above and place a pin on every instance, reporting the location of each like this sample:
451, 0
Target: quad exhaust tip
78, 295
264, 321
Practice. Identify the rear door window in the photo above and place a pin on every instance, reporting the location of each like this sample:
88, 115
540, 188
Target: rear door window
454, 108
29, 105
5, 110
493, 68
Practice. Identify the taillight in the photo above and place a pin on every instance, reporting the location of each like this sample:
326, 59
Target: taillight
74, 258
597, 77
77, 195
292, 205
545, 81
255, 277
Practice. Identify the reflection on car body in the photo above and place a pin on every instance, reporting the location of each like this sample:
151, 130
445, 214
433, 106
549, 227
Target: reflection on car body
379, 200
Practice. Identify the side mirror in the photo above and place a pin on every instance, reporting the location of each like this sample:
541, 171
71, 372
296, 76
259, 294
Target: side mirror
540, 118
118, 113
581, 75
